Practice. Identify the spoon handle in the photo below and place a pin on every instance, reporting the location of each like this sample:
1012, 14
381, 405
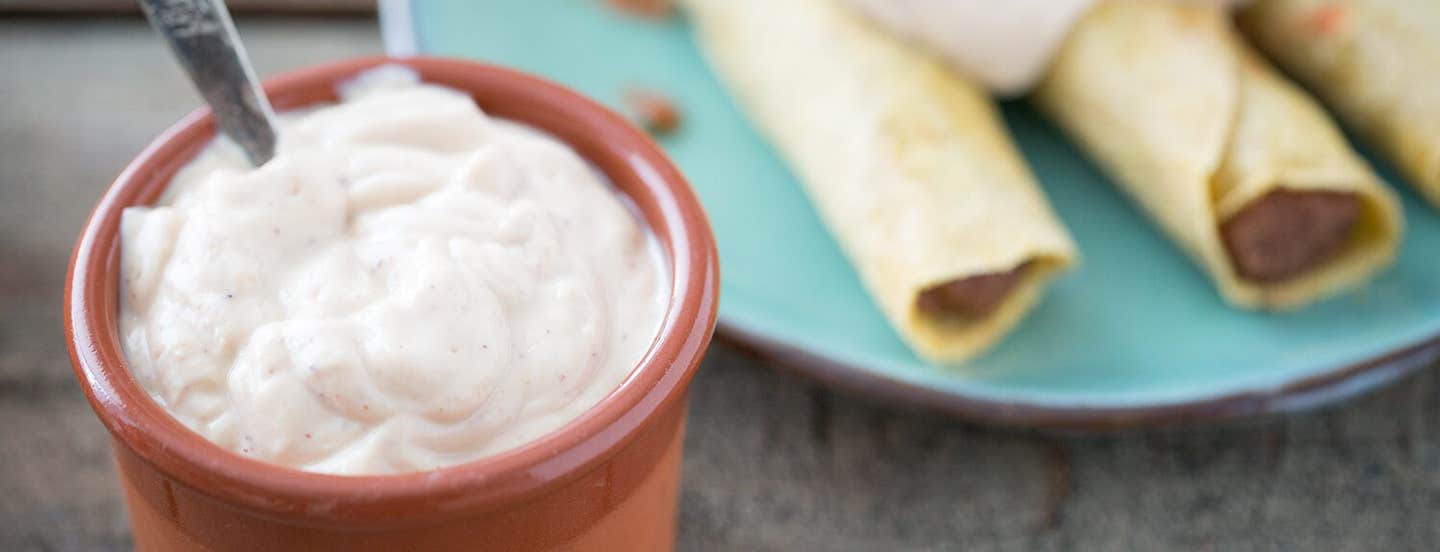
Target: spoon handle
203, 37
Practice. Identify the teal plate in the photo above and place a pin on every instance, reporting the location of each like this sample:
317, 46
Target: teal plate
1135, 336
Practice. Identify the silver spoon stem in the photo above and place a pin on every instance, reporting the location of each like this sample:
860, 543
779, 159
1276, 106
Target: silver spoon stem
203, 37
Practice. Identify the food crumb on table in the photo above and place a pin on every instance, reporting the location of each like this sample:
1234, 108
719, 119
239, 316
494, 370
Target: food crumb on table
652, 9
653, 110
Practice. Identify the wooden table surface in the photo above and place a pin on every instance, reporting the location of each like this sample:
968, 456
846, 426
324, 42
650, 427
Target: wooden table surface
772, 461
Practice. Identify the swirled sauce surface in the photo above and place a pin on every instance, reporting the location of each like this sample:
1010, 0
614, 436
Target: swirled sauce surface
408, 284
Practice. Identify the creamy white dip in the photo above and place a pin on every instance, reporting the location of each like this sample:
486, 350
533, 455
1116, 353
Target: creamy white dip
1005, 45
408, 284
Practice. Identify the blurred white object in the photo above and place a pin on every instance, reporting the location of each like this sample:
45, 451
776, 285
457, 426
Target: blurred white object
1003, 45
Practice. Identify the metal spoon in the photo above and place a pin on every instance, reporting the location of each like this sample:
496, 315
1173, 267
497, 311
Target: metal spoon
203, 37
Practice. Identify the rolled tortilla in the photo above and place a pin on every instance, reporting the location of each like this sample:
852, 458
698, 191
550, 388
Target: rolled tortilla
1237, 165
1373, 62
906, 163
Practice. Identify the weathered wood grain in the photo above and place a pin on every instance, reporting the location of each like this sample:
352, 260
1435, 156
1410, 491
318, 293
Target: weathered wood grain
236, 6
772, 462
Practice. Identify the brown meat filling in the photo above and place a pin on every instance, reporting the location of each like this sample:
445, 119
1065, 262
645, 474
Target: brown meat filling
1287, 233
973, 297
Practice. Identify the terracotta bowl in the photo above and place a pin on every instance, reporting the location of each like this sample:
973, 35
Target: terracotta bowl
607, 481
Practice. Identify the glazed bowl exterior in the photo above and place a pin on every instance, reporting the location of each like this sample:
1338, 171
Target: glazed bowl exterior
606, 481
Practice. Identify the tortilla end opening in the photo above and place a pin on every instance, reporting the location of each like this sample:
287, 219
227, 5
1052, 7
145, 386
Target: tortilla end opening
973, 297
1286, 234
